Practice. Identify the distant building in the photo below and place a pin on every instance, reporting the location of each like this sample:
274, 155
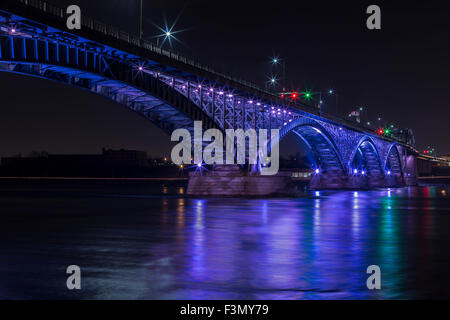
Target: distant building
110, 163
126, 157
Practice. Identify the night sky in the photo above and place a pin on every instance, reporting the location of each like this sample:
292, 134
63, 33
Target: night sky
400, 73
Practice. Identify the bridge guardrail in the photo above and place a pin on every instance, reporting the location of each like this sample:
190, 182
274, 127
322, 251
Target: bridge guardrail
95, 25
117, 33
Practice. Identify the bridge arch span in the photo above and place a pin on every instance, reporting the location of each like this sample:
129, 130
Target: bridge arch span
320, 143
393, 163
365, 157
118, 81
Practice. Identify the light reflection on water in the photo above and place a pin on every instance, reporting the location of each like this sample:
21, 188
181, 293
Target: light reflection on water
171, 247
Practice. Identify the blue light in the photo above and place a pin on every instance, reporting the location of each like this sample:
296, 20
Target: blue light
389, 172
355, 171
317, 171
363, 172
199, 165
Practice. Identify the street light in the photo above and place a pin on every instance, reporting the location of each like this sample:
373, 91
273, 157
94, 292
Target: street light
275, 61
333, 92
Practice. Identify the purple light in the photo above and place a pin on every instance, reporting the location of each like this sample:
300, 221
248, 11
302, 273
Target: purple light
284, 111
250, 101
363, 172
199, 165
13, 30
199, 85
211, 89
258, 104
317, 171
230, 96
285, 123
221, 92
140, 68
355, 171
389, 172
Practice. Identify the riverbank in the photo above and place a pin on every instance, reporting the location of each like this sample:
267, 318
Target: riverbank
435, 180
86, 186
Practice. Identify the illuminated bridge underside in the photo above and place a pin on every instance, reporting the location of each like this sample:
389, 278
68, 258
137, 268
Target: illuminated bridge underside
345, 156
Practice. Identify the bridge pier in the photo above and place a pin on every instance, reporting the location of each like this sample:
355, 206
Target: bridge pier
232, 180
329, 180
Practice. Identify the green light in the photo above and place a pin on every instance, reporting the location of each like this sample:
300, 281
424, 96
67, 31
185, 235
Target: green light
307, 94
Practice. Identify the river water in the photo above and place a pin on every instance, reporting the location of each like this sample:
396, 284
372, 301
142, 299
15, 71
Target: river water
158, 244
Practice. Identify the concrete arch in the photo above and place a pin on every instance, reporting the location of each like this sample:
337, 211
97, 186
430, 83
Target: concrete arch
369, 156
320, 142
393, 161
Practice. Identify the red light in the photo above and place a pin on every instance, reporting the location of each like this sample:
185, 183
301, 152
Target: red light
294, 95
282, 95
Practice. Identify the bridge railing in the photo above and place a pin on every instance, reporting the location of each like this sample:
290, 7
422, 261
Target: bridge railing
97, 26
114, 32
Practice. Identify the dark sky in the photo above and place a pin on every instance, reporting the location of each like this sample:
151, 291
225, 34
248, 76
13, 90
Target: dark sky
401, 73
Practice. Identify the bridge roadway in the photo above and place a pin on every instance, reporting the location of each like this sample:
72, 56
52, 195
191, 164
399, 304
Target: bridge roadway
173, 92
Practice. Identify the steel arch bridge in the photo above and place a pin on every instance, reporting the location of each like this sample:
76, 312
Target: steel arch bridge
173, 92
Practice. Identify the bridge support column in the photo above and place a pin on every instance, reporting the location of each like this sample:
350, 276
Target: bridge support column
410, 172
328, 180
231, 180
